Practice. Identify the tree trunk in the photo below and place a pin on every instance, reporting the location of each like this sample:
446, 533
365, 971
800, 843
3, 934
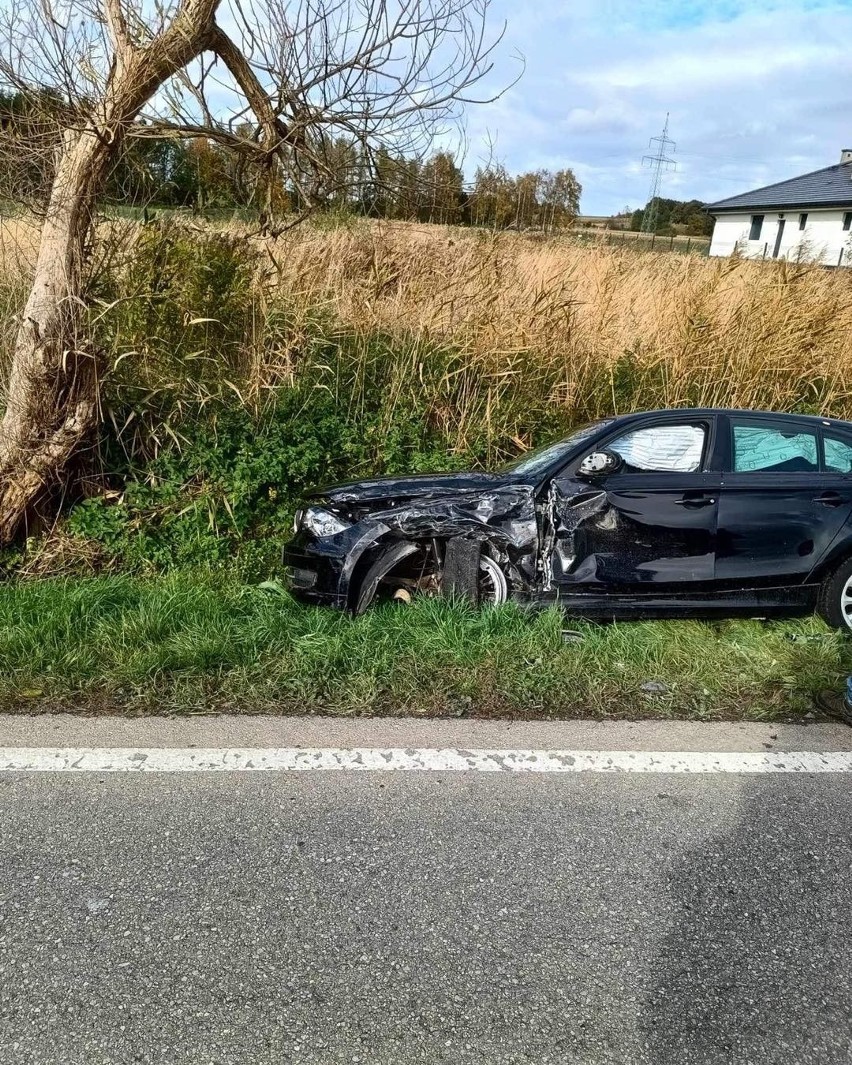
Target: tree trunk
52, 396
51, 399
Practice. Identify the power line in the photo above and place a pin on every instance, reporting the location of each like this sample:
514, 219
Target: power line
659, 162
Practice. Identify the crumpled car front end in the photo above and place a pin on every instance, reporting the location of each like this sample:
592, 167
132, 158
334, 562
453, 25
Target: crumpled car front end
395, 537
323, 550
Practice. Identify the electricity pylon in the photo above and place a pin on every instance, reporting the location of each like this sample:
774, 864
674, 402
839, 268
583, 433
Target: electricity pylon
659, 162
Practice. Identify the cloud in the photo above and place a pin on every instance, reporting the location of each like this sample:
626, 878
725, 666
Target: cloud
757, 92
607, 118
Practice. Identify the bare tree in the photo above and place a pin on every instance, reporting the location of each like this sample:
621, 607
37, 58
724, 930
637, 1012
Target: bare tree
305, 74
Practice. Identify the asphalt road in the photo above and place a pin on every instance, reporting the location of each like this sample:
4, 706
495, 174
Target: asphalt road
327, 917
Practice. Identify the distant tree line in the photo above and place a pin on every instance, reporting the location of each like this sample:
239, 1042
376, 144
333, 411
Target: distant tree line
673, 216
198, 173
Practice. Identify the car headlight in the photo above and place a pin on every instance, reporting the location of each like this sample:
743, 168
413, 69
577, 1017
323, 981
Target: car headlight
322, 522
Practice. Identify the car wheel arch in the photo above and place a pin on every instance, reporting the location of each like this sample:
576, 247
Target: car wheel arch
829, 565
833, 599
379, 559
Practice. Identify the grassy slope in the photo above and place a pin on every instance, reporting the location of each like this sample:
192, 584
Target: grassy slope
187, 643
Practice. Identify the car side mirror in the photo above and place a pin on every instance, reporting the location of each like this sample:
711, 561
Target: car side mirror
599, 464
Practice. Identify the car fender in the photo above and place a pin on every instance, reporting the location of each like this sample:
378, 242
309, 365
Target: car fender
837, 551
390, 558
366, 539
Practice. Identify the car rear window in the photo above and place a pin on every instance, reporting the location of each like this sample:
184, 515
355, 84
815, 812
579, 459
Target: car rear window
774, 449
838, 454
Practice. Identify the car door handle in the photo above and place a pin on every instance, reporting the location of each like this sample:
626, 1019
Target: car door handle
696, 501
830, 499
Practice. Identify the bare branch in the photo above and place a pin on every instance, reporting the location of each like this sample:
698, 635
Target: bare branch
117, 24
181, 130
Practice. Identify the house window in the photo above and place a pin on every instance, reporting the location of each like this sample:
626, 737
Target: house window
847, 220
803, 221
757, 225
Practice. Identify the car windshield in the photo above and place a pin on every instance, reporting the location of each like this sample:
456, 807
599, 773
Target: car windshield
536, 462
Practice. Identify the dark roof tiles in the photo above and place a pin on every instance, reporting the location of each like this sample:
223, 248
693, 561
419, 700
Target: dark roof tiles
829, 187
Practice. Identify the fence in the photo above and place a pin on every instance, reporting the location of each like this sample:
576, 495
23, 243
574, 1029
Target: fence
680, 245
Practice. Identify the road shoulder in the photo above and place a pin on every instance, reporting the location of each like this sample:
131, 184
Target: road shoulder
221, 730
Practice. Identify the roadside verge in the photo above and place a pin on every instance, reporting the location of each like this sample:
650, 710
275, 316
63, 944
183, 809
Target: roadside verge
191, 643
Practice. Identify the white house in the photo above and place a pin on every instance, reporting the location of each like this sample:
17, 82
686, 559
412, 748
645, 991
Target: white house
805, 219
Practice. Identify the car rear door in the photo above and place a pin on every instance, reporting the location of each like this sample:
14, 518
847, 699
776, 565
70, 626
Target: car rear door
780, 506
650, 524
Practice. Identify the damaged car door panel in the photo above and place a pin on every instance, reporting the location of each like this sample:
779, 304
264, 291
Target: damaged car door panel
651, 519
682, 512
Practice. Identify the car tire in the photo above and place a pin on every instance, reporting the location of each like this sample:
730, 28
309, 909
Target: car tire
835, 598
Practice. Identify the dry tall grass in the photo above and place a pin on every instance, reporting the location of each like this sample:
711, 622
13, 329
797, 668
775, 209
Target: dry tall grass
487, 328
664, 329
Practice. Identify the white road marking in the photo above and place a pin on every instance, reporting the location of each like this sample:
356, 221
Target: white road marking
409, 759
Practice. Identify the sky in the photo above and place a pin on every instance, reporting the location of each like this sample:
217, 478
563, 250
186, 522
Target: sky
757, 91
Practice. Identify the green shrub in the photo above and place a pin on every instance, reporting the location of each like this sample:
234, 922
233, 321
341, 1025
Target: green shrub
206, 459
231, 486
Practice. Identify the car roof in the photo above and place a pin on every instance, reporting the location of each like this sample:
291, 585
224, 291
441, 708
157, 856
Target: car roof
696, 412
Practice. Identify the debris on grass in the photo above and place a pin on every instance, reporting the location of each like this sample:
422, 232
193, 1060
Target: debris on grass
572, 636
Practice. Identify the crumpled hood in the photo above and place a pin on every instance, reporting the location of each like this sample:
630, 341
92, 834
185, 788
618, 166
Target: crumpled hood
498, 507
414, 486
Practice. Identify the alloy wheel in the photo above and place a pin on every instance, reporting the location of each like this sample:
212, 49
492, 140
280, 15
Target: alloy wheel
494, 589
846, 603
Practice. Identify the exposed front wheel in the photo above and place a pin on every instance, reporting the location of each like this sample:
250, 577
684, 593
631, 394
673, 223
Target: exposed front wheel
406, 569
835, 598
493, 586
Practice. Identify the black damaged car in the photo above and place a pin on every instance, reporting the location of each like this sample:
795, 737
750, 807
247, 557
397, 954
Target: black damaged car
698, 513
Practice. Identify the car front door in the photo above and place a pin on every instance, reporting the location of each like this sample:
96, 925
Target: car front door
782, 504
649, 524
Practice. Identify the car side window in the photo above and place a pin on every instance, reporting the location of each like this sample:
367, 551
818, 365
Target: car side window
838, 454
662, 449
776, 448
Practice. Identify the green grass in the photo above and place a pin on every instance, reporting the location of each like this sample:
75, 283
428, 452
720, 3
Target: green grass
188, 643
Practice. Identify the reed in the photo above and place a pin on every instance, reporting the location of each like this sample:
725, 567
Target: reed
484, 336
584, 331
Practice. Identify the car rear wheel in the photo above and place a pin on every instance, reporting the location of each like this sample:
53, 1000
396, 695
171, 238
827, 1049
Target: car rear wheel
835, 598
